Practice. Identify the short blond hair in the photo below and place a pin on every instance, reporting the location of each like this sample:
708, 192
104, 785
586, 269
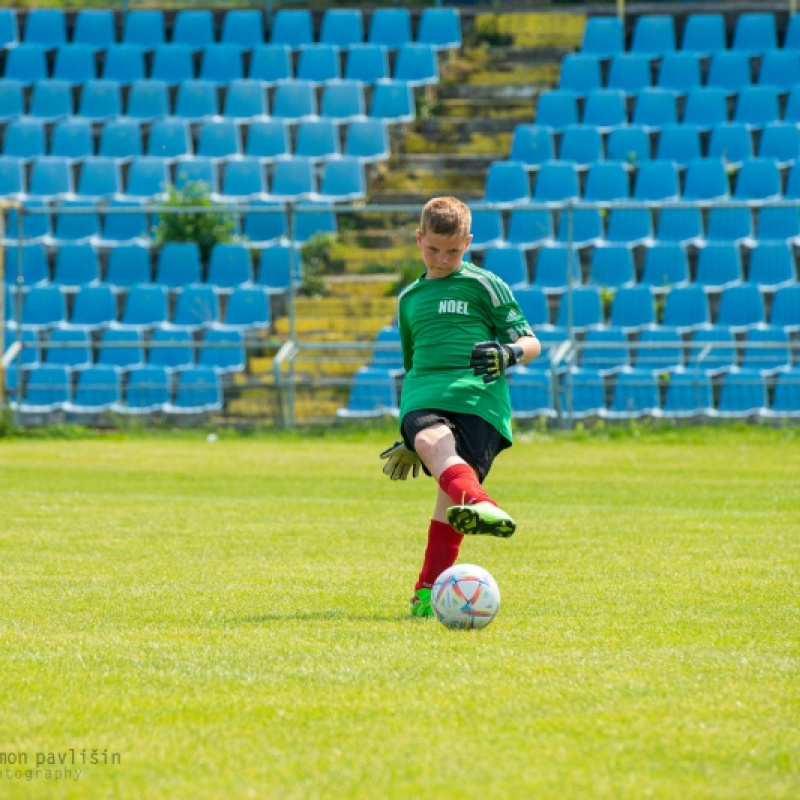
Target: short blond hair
446, 216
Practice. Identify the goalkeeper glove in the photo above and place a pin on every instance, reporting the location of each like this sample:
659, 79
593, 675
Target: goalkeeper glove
492, 359
400, 461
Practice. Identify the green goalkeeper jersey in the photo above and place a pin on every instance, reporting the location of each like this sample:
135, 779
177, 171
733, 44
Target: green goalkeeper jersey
440, 321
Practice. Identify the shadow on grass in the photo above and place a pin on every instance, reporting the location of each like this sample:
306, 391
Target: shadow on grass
314, 616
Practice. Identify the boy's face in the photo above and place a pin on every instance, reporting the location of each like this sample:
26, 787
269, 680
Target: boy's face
442, 254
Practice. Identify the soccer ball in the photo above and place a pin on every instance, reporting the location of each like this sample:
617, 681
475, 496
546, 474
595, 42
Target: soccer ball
465, 597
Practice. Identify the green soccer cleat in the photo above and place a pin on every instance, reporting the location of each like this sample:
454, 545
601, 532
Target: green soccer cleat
421, 603
482, 518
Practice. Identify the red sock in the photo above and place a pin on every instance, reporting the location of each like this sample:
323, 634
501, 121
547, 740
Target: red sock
441, 553
461, 485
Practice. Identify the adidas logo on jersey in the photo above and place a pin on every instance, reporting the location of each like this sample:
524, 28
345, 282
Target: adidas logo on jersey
512, 315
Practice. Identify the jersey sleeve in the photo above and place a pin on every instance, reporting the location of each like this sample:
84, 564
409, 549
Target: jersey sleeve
406, 340
507, 318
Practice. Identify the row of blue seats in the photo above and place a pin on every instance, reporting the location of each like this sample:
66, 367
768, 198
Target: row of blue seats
220, 64
170, 137
757, 180
145, 306
175, 265
679, 143
770, 265
200, 101
584, 392
679, 72
668, 226
754, 33
99, 389
167, 346
97, 28
704, 106
52, 178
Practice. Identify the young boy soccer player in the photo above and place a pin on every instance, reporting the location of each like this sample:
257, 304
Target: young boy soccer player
460, 329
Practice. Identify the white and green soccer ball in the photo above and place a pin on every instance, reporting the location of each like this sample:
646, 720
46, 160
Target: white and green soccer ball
465, 597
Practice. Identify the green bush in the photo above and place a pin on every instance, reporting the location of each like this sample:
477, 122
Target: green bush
206, 228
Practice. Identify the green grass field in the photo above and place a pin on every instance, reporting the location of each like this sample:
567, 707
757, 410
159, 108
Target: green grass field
229, 620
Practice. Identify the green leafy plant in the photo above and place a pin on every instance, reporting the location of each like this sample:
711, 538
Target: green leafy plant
206, 228
316, 257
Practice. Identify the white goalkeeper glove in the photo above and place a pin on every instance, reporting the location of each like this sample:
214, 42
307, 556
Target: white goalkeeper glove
400, 461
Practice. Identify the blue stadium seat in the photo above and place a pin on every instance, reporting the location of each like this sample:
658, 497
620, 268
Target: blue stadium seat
580, 74
533, 302
26, 64
612, 266
317, 140
507, 183
606, 109
732, 142
318, 63
367, 140
120, 348
759, 180
605, 349
35, 227
70, 228
629, 73
778, 223
743, 394
679, 144
633, 308
9, 28
755, 33
292, 27
532, 145
95, 28
373, 394
198, 391
145, 307
780, 142
605, 182
585, 309
148, 178
12, 178
741, 307
706, 107
223, 351
128, 264
416, 64
295, 100
12, 102
772, 265
245, 100
529, 227
196, 307
198, 169
149, 390
229, 266
178, 264
145, 28
275, 264
629, 145
46, 26
268, 140
387, 353
556, 181
72, 138
713, 349
666, 264
293, 179
124, 64
170, 138
657, 180
70, 348
679, 72
706, 179
686, 308
603, 36
51, 100
222, 63
25, 139
531, 393
75, 64
194, 27
556, 109
392, 101
243, 27
94, 307
582, 227
704, 34
243, 179
581, 146
767, 350
786, 398
487, 229
35, 268
779, 69
654, 35
197, 101
757, 106
342, 27
689, 394
44, 307
367, 63
248, 308
124, 226
51, 177
508, 263
655, 108
98, 389
730, 224
311, 218
171, 348
659, 349
148, 101
440, 28
271, 64
48, 388
220, 138
173, 64
719, 265
390, 27
635, 394
680, 224
729, 70
551, 273
343, 180
262, 227
343, 101
587, 393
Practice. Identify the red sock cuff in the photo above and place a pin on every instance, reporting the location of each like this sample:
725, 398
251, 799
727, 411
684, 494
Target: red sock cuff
452, 474
460, 483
